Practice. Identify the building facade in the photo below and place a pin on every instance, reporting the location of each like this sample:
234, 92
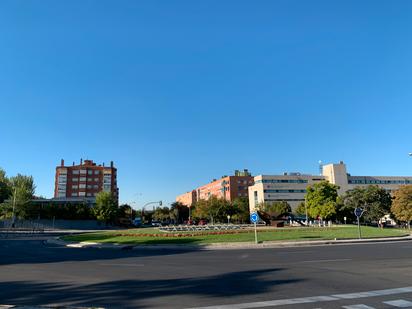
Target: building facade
289, 187
292, 187
85, 180
188, 198
227, 187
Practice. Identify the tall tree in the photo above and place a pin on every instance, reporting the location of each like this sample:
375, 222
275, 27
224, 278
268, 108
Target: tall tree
321, 199
106, 207
180, 212
402, 204
22, 192
240, 210
5, 191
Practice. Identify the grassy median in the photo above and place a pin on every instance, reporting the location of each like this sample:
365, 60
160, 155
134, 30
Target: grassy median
154, 236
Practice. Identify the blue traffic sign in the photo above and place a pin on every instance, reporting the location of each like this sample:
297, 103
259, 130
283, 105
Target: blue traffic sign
358, 212
254, 217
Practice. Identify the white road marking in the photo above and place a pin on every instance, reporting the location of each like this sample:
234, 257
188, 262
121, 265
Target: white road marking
324, 261
305, 300
400, 303
374, 293
121, 264
360, 306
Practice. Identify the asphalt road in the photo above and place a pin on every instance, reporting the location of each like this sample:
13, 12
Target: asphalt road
35, 273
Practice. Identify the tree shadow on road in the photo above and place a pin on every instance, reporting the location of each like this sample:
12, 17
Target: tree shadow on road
23, 251
141, 293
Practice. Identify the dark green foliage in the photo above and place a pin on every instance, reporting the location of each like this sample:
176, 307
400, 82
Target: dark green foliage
374, 200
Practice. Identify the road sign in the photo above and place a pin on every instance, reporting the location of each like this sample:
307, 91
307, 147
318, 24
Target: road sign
254, 217
358, 212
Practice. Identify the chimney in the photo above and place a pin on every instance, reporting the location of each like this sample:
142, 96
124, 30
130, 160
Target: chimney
111, 164
62, 163
81, 161
73, 163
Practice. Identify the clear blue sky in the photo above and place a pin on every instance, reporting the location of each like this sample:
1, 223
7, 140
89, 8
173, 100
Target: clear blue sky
179, 92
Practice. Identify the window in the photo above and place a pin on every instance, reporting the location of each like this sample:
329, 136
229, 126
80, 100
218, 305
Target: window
74, 194
75, 179
96, 172
82, 178
75, 187
96, 179
82, 171
75, 172
82, 193
82, 186
95, 187
90, 172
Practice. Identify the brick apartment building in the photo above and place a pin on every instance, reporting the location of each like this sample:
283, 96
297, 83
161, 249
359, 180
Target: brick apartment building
227, 187
85, 180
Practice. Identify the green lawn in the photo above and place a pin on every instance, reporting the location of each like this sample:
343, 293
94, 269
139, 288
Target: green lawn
136, 237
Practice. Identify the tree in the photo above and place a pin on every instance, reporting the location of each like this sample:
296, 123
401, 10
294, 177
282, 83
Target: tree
180, 212
214, 208
301, 209
321, 200
378, 203
375, 200
240, 210
106, 207
162, 214
5, 191
125, 211
275, 209
22, 190
349, 201
402, 204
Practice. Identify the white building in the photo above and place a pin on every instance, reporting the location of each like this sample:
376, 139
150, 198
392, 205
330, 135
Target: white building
291, 187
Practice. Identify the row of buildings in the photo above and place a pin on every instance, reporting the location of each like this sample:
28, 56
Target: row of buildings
289, 187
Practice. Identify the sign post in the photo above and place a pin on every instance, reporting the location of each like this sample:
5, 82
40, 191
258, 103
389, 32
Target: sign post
358, 213
254, 218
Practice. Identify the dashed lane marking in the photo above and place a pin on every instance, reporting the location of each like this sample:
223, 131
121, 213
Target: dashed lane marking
313, 299
360, 306
400, 303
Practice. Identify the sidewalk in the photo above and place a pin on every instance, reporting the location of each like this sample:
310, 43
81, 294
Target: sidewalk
228, 246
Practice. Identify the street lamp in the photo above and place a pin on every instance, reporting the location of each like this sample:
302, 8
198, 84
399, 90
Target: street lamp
306, 211
147, 204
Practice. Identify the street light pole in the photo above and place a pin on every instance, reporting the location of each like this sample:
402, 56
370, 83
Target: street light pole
306, 211
147, 204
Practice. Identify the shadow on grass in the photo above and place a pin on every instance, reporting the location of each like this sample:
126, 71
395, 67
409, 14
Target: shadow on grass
145, 292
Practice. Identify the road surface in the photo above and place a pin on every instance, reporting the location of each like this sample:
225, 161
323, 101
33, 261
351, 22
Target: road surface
33, 272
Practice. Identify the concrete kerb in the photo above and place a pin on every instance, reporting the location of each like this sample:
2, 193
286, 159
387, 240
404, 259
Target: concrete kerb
227, 246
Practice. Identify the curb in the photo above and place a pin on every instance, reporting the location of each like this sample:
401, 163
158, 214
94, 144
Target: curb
229, 246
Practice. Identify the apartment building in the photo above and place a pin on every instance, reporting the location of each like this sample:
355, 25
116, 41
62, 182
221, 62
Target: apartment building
227, 187
292, 187
188, 198
85, 180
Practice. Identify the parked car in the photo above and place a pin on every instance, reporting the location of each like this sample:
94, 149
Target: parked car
156, 223
202, 222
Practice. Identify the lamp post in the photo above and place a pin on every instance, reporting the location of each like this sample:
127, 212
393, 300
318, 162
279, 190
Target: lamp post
147, 204
306, 211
